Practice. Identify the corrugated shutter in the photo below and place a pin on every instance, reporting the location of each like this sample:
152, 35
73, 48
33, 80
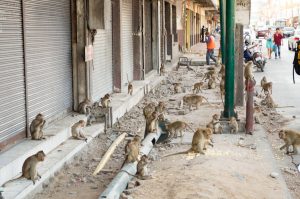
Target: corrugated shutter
126, 41
102, 70
148, 36
48, 56
12, 90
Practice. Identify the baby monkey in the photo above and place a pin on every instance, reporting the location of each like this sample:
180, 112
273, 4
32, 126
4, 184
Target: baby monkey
36, 127
142, 170
248, 70
215, 125
77, 132
290, 137
162, 69
198, 87
105, 101
233, 125
85, 106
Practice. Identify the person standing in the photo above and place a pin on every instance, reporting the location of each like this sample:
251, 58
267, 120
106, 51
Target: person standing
278, 42
269, 43
210, 43
202, 34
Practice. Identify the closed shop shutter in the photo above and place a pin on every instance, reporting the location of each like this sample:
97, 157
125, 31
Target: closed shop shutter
126, 41
48, 56
12, 89
102, 70
148, 36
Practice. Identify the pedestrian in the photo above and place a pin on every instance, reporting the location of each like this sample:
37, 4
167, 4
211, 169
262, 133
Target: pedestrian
210, 43
202, 34
277, 42
269, 43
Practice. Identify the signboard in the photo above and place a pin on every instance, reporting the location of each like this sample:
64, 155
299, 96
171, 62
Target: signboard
242, 14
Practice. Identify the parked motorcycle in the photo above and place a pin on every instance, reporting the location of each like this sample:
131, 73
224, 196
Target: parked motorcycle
256, 56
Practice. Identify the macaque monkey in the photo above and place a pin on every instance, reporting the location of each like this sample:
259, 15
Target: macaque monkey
263, 81
142, 170
177, 87
29, 168
248, 70
209, 74
197, 87
105, 101
132, 150
160, 109
201, 138
149, 109
212, 82
176, 127
267, 87
233, 125
222, 88
151, 123
215, 125
290, 137
162, 69
85, 106
193, 100
269, 101
36, 127
222, 71
77, 132
130, 86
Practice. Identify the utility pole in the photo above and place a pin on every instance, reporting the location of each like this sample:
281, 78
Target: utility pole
223, 29
229, 61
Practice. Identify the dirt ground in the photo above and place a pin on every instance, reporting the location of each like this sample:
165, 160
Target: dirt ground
226, 171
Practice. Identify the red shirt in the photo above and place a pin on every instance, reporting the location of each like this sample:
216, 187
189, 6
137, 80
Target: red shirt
277, 39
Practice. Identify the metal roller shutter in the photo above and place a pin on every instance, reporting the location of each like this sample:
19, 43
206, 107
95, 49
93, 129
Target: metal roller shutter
12, 90
126, 41
102, 70
48, 56
148, 36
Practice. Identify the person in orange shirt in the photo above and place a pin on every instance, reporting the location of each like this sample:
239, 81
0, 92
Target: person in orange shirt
210, 43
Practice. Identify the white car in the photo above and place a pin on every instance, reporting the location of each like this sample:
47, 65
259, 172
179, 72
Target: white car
292, 40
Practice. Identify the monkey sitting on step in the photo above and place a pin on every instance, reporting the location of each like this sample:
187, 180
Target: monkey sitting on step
36, 127
85, 106
105, 101
77, 132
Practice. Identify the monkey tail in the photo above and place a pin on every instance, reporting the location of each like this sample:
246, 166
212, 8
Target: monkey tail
179, 153
206, 100
14, 179
190, 128
285, 107
129, 173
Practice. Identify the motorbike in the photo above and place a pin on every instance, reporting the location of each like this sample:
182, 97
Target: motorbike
256, 56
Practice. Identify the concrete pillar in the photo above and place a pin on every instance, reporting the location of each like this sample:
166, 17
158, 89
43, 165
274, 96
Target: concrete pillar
116, 44
137, 24
180, 23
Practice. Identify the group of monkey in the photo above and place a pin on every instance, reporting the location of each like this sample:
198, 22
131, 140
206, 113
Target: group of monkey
154, 113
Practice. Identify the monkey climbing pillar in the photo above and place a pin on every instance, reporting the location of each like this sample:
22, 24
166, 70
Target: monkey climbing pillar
223, 29
229, 61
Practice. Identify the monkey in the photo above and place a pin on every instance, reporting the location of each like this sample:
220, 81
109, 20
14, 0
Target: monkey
193, 100
177, 87
149, 109
290, 137
263, 81
269, 101
142, 171
162, 69
212, 82
214, 124
130, 86
160, 109
29, 170
222, 71
248, 70
233, 125
201, 138
222, 88
151, 123
132, 150
105, 101
77, 132
267, 87
36, 127
197, 87
175, 127
209, 74
85, 106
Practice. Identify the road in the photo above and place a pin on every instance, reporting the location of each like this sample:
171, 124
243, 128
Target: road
285, 92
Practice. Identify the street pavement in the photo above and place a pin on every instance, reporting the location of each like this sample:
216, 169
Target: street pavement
285, 92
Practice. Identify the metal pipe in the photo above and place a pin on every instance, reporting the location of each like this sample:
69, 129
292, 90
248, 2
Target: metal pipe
229, 62
119, 183
223, 29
